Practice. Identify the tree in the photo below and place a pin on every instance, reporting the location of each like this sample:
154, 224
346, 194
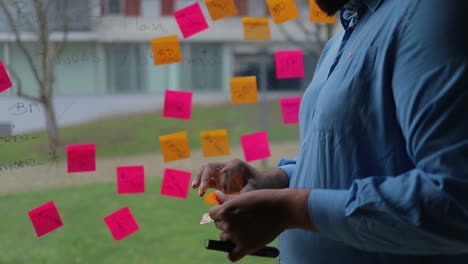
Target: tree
40, 19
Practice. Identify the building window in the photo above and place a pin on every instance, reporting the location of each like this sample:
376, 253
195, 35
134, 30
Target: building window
243, 7
167, 7
124, 69
122, 7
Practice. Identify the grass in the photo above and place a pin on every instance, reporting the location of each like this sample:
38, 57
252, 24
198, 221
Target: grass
138, 134
169, 229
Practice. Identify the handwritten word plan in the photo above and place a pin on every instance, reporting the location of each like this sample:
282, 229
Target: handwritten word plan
175, 146
166, 50
176, 183
283, 10
177, 104
215, 143
290, 109
317, 15
289, 64
220, 9
191, 20
45, 218
81, 158
130, 179
121, 223
244, 90
256, 28
5, 82
255, 146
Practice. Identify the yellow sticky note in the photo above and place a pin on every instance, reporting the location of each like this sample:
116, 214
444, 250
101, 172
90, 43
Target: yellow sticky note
219, 9
317, 15
256, 28
283, 10
244, 90
214, 143
166, 50
175, 146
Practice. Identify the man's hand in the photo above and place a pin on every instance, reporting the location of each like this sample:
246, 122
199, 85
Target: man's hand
230, 177
253, 219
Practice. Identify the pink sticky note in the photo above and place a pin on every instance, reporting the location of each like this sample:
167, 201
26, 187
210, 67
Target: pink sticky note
176, 183
45, 218
178, 105
81, 158
255, 146
290, 109
289, 64
121, 223
131, 179
5, 82
191, 20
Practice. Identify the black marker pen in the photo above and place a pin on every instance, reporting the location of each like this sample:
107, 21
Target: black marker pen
226, 246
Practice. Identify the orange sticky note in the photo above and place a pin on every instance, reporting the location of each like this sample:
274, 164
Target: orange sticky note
283, 10
211, 198
166, 50
214, 143
244, 90
256, 28
317, 15
175, 146
219, 9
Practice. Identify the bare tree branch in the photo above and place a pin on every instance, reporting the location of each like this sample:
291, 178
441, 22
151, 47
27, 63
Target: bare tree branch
19, 86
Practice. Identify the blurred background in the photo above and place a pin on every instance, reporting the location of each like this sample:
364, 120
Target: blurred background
83, 73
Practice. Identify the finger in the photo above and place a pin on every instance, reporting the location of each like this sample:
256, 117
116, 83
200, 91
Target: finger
220, 225
215, 213
208, 172
227, 174
248, 188
196, 180
236, 254
225, 236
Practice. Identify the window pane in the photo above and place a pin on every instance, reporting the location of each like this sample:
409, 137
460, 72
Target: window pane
114, 7
202, 70
124, 68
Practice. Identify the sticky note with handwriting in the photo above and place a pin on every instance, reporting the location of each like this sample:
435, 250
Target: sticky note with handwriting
214, 143
175, 146
121, 223
219, 9
283, 10
211, 198
319, 16
176, 183
191, 20
244, 90
290, 109
5, 82
81, 158
166, 50
178, 104
289, 64
45, 218
130, 179
255, 146
256, 28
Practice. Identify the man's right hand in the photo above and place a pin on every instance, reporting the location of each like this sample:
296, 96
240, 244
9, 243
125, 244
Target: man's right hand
237, 176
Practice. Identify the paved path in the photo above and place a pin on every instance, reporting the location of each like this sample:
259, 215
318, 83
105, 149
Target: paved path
55, 176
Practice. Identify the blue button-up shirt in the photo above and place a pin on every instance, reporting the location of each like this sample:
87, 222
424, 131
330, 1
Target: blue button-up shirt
384, 140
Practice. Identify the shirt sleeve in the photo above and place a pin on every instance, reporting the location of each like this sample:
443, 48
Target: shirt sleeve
425, 210
288, 166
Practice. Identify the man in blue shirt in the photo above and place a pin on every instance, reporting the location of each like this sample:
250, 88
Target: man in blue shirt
382, 171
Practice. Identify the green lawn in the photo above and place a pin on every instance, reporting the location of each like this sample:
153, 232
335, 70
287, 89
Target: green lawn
170, 230
139, 134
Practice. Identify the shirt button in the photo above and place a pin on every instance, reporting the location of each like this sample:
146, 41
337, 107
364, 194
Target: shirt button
350, 55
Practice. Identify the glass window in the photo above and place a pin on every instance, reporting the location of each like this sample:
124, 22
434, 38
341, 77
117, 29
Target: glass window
114, 6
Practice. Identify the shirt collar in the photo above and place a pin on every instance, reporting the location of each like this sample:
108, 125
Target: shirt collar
373, 5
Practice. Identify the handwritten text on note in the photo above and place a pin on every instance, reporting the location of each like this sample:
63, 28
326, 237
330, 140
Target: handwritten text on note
244, 90
283, 10
5, 82
81, 158
219, 9
290, 109
255, 146
215, 143
289, 64
176, 183
45, 218
191, 20
121, 223
166, 50
178, 104
130, 179
175, 146
256, 28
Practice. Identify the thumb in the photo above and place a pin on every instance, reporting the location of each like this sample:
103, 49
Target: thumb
222, 197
